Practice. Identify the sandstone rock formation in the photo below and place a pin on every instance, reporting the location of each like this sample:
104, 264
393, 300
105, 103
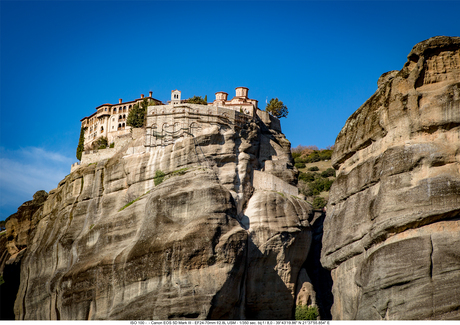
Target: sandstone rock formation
12, 247
109, 243
392, 231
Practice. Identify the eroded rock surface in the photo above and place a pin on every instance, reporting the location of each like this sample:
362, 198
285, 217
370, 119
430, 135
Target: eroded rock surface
392, 231
204, 244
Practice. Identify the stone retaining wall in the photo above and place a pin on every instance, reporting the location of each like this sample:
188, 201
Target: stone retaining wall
166, 123
92, 156
266, 181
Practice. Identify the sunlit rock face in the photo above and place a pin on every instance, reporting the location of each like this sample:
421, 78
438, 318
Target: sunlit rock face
203, 244
392, 231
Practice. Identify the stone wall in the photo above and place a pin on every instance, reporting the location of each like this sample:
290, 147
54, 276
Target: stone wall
92, 156
121, 140
74, 166
117, 135
166, 123
269, 120
266, 181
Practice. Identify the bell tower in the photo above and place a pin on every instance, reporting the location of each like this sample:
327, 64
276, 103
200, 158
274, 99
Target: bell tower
175, 97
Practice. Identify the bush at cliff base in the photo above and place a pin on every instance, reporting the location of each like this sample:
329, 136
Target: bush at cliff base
319, 202
304, 312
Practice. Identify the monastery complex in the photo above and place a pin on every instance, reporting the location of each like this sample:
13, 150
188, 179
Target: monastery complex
165, 122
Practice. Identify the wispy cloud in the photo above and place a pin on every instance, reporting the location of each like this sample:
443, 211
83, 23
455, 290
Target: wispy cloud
27, 170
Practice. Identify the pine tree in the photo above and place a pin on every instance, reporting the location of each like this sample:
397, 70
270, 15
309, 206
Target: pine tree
277, 108
136, 115
81, 143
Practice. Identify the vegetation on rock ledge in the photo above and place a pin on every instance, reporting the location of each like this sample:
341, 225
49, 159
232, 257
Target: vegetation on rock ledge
316, 173
304, 312
159, 177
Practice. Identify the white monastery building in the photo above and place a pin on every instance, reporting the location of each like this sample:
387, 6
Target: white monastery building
109, 120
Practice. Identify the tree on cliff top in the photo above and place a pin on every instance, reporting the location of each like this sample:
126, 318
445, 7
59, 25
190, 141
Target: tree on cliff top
136, 115
277, 108
197, 100
81, 143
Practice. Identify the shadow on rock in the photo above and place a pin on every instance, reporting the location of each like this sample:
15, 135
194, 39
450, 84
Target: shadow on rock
255, 291
320, 277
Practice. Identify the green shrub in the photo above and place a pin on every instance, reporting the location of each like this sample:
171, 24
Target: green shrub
325, 154
328, 172
102, 143
319, 202
112, 145
315, 156
307, 177
159, 177
198, 100
313, 169
300, 160
295, 155
137, 114
320, 185
304, 312
299, 165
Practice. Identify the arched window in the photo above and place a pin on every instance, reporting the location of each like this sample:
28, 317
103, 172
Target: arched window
102, 129
119, 125
124, 116
123, 125
119, 117
109, 109
106, 109
129, 106
124, 108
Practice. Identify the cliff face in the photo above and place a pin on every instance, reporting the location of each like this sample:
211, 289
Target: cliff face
110, 244
391, 235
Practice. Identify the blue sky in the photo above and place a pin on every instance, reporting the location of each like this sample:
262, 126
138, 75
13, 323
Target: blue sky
61, 59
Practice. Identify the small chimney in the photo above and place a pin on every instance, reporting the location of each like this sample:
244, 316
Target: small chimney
120, 101
142, 95
150, 94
